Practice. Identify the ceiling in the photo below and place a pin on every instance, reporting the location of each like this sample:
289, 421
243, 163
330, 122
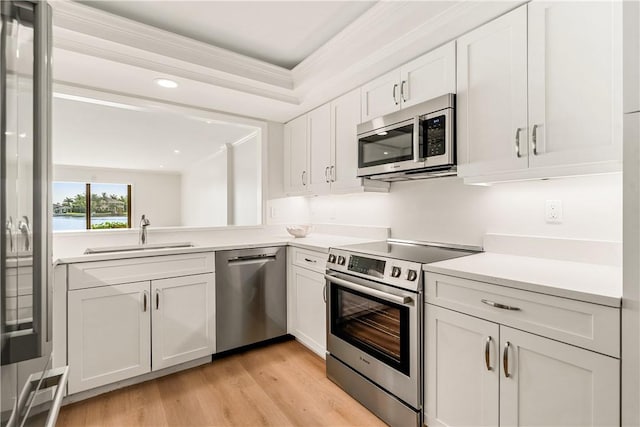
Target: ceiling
282, 33
127, 137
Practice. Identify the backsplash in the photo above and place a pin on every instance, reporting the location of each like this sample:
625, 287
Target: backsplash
446, 210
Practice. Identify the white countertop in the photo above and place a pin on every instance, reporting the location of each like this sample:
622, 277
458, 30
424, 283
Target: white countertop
595, 283
314, 242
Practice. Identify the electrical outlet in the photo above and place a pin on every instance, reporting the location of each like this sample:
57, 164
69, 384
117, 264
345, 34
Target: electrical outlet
553, 211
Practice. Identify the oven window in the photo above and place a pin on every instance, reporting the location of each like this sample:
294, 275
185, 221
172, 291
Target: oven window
392, 146
378, 327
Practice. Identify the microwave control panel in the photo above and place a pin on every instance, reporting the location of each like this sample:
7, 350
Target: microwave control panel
434, 136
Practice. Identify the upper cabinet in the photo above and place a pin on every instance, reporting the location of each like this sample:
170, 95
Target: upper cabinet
631, 44
426, 77
540, 93
321, 150
296, 156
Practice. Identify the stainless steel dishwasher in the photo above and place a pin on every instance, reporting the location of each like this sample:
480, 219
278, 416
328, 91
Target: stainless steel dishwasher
251, 296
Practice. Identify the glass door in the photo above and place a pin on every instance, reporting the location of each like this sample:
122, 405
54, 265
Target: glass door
387, 145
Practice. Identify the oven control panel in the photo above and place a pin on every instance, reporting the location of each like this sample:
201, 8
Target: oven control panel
400, 273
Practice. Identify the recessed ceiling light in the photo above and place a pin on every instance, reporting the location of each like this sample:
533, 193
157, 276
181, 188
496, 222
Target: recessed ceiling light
161, 166
385, 153
23, 135
176, 151
169, 84
383, 133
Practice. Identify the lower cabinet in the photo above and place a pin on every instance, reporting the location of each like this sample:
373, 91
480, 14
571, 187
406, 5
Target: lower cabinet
111, 328
308, 311
482, 373
311, 314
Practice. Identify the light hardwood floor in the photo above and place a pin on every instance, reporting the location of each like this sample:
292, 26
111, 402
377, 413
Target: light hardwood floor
283, 384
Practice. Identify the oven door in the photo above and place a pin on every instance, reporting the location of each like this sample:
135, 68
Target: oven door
392, 148
376, 329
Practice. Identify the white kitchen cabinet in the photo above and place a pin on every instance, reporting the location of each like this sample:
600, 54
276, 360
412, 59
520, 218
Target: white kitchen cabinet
183, 319
554, 384
575, 82
109, 334
461, 369
481, 370
306, 294
319, 130
540, 93
631, 56
426, 77
491, 99
296, 156
331, 150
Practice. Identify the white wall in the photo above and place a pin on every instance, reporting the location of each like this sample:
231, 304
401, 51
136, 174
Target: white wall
146, 187
246, 186
204, 192
446, 210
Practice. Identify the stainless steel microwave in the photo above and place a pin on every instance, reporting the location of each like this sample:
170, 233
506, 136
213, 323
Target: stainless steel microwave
416, 142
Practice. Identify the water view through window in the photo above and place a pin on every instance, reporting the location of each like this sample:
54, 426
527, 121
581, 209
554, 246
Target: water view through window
107, 206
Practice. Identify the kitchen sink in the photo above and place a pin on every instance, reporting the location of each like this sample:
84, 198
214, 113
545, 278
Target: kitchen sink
131, 248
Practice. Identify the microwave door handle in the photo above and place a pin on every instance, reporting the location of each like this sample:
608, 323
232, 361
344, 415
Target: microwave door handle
416, 140
404, 300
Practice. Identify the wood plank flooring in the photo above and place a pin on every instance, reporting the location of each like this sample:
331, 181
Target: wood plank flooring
283, 384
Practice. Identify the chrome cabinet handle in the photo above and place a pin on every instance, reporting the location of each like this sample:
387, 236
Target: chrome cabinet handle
487, 354
324, 292
505, 359
326, 174
518, 142
498, 305
332, 173
157, 299
9, 230
395, 87
310, 260
534, 140
402, 91
144, 301
304, 177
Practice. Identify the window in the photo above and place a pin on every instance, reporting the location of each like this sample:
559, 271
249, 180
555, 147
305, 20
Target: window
85, 206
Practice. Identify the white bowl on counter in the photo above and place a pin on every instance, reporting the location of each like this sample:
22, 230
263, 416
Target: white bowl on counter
299, 230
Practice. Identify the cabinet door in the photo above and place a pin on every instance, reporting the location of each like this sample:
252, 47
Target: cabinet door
555, 384
381, 96
575, 82
319, 128
461, 369
109, 332
492, 96
345, 116
429, 76
310, 310
296, 156
183, 319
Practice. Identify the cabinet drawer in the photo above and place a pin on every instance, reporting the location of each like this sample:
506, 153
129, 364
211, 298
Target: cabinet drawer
591, 326
316, 261
112, 272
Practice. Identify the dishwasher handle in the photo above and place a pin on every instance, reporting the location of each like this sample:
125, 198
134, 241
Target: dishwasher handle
251, 259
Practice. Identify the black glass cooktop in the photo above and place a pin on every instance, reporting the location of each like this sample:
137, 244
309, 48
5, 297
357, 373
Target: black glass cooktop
424, 254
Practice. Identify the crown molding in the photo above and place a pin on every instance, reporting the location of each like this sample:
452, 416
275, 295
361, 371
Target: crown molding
90, 21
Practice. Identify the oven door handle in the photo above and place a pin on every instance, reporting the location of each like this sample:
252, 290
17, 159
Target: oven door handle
373, 292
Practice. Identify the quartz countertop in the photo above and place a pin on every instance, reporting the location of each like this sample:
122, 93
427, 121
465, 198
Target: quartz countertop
595, 283
314, 242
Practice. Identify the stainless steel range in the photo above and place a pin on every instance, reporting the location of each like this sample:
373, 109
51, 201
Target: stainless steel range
375, 324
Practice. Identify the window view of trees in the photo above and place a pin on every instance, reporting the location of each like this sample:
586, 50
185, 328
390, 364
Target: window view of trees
107, 206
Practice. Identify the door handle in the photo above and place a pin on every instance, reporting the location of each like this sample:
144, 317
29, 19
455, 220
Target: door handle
534, 140
326, 174
332, 173
157, 299
324, 292
518, 142
500, 306
402, 91
505, 359
487, 354
144, 302
395, 99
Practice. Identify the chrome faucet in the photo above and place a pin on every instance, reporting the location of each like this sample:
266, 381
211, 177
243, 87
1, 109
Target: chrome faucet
144, 223
23, 226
